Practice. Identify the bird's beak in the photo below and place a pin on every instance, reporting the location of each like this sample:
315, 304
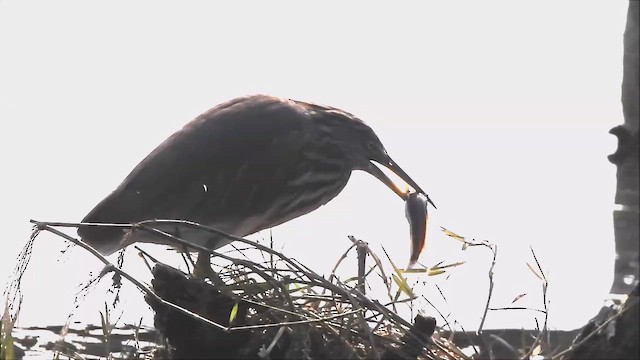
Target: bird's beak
391, 165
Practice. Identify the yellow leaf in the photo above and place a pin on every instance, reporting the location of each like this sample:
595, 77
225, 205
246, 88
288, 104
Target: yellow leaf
398, 277
234, 313
6, 320
6, 348
414, 271
395, 268
448, 265
6, 339
403, 285
434, 272
452, 234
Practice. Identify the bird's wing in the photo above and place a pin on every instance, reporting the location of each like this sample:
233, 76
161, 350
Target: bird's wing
214, 164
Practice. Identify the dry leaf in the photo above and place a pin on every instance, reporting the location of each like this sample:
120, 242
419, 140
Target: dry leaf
535, 272
518, 297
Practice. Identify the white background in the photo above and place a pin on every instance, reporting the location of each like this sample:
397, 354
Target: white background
499, 110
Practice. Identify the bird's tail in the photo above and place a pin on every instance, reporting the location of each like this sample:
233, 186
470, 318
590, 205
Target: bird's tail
105, 239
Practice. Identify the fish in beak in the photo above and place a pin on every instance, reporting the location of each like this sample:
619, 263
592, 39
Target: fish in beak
415, 204
391, 165
416, 213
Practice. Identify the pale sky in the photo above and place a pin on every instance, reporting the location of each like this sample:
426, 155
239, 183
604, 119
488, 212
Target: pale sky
499, 110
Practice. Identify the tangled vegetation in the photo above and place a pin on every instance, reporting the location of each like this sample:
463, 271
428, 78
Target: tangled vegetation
275, 307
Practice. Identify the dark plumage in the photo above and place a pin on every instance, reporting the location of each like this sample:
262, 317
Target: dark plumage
243, 166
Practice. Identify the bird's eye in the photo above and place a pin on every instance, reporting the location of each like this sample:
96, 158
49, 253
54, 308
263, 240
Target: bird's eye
371, 145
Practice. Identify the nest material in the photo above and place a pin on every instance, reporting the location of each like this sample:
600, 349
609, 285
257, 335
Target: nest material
277, 307
191, 338
343, 337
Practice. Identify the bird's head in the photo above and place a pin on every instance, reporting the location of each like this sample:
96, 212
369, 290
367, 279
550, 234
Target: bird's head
374, 155
365, 151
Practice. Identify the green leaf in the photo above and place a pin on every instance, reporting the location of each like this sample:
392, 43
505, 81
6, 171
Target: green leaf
234, 313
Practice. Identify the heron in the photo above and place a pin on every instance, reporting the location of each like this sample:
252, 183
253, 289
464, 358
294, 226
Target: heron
246, 165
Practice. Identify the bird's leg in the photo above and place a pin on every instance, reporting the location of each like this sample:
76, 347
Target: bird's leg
203, 269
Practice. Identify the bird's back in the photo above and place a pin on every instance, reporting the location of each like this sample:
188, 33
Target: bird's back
225, 168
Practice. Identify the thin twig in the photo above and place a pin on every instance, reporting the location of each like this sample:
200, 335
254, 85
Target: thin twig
493, 249
111, 267
439, 313
517, 308
545, 284
298, 322
264, 353
362, 261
